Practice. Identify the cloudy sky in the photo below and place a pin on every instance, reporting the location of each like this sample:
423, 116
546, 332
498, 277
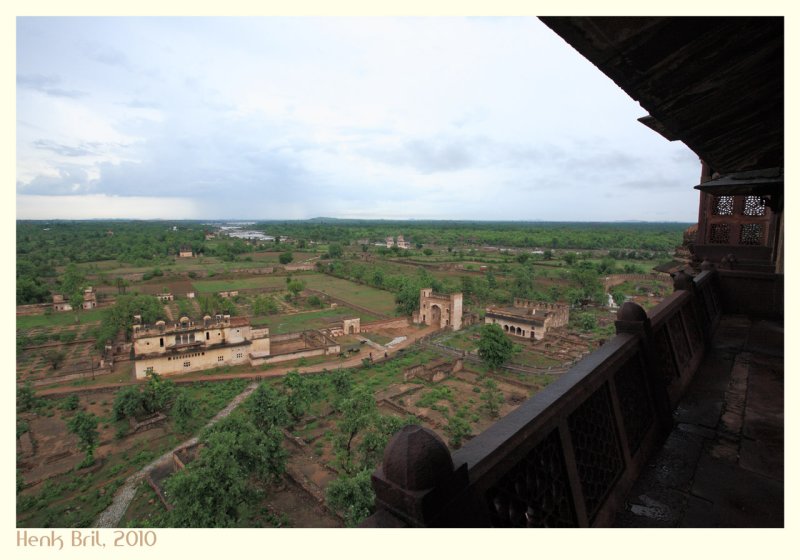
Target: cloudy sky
291, 118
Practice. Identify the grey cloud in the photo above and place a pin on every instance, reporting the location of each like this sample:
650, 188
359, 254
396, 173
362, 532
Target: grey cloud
71, 180
46, 85
431, 156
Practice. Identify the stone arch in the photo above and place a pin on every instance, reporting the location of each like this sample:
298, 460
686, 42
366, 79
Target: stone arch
436, 315
352, 329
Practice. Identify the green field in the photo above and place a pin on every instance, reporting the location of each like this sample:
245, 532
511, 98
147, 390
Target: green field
60, 319
213, 286
365, 296
282, 324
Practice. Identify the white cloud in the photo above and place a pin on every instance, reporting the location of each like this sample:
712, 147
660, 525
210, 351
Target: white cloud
290, 118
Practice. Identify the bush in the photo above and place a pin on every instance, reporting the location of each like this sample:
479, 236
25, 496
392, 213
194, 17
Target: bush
70, 403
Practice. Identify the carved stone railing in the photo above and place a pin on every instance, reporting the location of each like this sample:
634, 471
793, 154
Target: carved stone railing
568, 456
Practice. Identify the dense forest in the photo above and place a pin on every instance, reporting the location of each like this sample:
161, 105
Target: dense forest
554, 235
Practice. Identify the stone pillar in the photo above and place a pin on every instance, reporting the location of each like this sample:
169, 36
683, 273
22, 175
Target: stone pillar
416, 481
633, 319
682, 281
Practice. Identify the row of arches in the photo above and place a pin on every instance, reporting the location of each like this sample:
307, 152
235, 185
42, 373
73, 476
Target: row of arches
514, 330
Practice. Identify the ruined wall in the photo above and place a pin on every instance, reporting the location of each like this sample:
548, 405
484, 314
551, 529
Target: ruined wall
439, 310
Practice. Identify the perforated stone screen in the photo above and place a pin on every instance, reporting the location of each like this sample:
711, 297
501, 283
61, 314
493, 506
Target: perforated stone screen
720, 233
723, 205
751, 234
754, 206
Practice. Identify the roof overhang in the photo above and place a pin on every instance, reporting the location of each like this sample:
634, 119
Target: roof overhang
715, 83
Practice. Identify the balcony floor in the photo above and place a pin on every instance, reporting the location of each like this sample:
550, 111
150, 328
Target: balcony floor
722, 464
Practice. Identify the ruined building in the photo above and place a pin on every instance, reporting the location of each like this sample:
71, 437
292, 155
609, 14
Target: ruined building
194, 346
528, 319
441, 310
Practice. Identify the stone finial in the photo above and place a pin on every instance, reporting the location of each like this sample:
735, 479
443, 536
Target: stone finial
416, 458
631, 312
728, 261
681, 280
706, 264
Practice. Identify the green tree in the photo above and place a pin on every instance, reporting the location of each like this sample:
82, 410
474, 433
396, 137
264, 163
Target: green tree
494, 347
335, 251
55, 358
213, 490
158, 393
358, 411
183, 410
84, 425
492, 398
352, 496
26, 397
295, 287
286, 258
268, 408
342, 383
407, 299
374, 439
457, 429
129, 403
300, 392
72, 402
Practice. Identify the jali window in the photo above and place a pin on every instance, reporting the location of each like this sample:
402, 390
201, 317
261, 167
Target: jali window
720, 233
751, 234
723, 205
754, 206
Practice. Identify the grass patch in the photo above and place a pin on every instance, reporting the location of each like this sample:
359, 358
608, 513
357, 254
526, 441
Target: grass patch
364, 296
213, 286
60, 319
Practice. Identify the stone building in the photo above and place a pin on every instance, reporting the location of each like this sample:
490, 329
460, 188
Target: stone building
528, 319
390, 242
192, 346
89, 298
440, 310
185, 252
60, 304
402, 243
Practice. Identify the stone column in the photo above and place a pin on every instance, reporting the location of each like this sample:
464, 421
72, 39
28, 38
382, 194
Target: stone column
633, 319
416, 482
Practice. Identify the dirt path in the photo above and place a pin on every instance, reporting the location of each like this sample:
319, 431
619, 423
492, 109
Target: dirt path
111, 516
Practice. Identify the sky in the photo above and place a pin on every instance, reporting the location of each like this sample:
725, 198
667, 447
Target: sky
292, 118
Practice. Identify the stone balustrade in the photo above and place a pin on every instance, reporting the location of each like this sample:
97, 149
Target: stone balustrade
568, 456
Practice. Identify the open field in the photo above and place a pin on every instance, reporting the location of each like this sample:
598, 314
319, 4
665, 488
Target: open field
59, 319
364, 296
213, 286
